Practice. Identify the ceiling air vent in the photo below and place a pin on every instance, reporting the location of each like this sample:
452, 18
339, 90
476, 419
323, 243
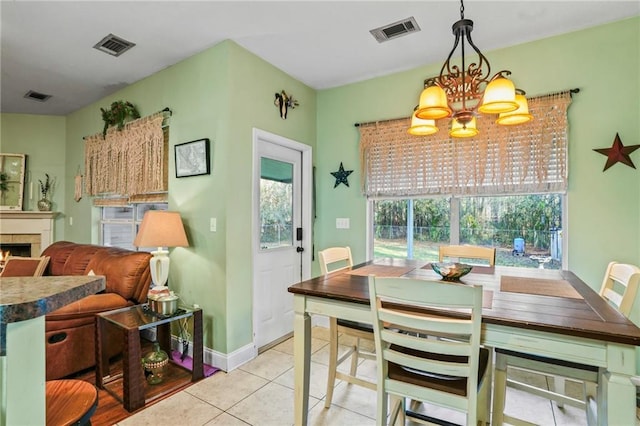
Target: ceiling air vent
397, 29
36, 96
113, 45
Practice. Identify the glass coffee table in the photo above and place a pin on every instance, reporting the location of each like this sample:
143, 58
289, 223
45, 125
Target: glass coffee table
130, 386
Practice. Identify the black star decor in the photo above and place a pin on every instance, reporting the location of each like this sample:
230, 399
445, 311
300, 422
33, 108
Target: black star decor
341, 176
618, 153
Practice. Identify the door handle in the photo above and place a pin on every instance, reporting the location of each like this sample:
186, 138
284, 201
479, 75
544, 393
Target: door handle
299, 249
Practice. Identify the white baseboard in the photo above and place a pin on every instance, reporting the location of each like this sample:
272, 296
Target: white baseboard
229, 362
225, 362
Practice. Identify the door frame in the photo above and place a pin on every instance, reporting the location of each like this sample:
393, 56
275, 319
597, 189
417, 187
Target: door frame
306, 176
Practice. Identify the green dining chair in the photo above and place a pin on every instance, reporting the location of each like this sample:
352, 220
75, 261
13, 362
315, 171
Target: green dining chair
464, 252
619, 288
335, 259
413, 366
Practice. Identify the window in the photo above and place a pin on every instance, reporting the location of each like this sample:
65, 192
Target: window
119, 225
525, 229
502, 188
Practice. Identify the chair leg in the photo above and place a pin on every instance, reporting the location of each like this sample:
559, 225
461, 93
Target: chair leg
382, 402
354, 358
484, 396
559, 386
333, 360
590, 396
499, 390
397, 407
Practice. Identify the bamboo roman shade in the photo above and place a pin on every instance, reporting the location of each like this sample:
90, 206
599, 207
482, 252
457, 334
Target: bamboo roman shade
129, 165
528, 158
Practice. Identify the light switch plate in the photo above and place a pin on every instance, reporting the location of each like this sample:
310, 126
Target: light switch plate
213, 224
342, 223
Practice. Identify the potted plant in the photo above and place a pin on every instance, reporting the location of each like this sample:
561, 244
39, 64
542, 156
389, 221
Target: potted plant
44, 204
117, 114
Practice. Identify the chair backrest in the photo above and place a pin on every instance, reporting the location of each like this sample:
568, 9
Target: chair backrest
25, 266
402, 335
469, 252
332, 255
620, 286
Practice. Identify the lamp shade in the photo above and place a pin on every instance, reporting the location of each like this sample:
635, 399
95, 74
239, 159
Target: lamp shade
499, 96
519, 116
160, 228
433, 104
420, 127
467, 130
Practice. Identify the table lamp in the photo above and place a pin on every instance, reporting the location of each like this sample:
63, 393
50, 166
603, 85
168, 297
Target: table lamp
160, 228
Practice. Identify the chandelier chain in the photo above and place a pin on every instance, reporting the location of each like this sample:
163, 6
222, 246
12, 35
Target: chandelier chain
461, 9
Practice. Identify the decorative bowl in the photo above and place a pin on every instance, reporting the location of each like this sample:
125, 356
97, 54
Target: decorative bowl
451, 271
164, 305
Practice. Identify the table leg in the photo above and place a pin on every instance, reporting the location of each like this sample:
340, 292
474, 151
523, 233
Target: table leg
617, 396
133, 376
102, 360
198, 367
302, 360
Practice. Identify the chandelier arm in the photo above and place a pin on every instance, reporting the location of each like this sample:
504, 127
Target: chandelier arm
483, 59
447, 65
465, 34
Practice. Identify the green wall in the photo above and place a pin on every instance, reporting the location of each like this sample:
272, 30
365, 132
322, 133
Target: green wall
604, 208
42, 138
220, 94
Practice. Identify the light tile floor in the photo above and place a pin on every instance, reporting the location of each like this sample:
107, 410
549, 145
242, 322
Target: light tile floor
261, 393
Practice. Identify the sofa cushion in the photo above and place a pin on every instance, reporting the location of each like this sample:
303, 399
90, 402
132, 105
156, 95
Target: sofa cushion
88, 306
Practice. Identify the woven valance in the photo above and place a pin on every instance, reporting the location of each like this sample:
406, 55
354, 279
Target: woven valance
128, 163
528, 158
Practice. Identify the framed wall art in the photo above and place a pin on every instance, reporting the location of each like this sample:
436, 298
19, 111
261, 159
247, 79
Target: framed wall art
192, 158
12, 171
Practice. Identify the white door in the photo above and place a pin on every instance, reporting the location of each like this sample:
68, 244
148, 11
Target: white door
281, 251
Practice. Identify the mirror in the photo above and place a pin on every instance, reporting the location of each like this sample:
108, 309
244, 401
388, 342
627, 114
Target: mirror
11, 181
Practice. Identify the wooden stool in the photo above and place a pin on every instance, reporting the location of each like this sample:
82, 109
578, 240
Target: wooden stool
70, 402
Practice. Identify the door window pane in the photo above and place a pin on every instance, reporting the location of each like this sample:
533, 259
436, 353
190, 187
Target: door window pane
276, 204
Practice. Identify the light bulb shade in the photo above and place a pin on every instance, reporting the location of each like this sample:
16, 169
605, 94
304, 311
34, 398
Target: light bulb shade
161, 228
499, 96
459, 130
420, 127
433, 104
519, 116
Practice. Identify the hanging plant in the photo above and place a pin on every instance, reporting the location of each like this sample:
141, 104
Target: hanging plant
117, 114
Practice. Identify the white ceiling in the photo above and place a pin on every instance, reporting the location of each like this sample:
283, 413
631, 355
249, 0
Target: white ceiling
47, 46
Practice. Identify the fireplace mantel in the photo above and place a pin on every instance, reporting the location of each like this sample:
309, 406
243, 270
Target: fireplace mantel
12, 214
19, 226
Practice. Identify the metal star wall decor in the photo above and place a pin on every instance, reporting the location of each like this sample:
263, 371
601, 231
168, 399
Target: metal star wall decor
618, 153
341, 176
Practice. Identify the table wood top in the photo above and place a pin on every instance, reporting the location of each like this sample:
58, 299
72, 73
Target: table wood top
587, 315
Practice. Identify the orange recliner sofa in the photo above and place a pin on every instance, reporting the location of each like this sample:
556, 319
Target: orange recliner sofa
70, 331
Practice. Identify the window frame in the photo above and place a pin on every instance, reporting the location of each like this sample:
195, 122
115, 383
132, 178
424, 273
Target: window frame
133, 222
454, 223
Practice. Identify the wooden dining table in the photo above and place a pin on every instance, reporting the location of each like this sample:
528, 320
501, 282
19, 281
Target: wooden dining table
550, 313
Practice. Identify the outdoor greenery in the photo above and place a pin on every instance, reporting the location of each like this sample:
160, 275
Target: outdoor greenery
485, 221
275, 213
494, 221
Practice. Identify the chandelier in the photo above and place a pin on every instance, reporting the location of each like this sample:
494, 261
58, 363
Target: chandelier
461, 92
